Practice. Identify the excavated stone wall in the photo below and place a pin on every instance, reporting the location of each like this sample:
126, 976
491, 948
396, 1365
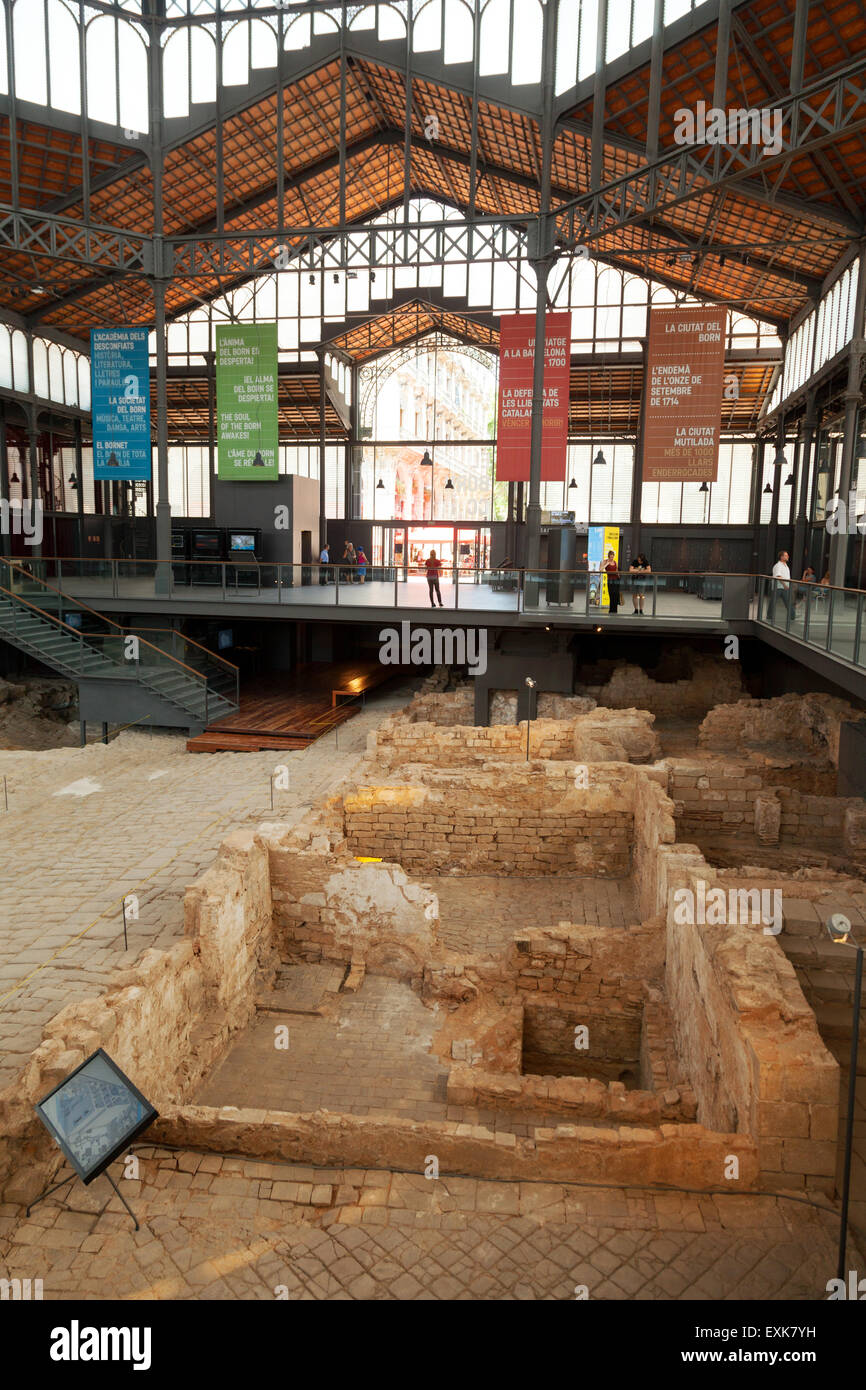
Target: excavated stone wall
592, 737
805, 726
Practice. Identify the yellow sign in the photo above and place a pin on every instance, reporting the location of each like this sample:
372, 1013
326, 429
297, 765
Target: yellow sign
363, 859
611, 542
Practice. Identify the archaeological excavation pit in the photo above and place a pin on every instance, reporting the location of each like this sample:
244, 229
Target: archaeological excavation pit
596, 1042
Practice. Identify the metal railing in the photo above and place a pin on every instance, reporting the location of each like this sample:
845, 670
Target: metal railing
824, 616
341, 585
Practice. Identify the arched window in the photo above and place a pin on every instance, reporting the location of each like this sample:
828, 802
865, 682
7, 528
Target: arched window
84, 382
247, 45
188, 70
70, 378
55, 373
20, 365
41, 385
115, 47
6, 358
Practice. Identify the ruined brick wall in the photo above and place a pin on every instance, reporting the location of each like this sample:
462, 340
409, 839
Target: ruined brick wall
654, 825
807, 724
629, 687
724, 799
542, 827
749, 1042
327, 906
397, 743
594, 736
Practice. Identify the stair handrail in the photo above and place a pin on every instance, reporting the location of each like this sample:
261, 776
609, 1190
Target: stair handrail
193, 643
82, 637
76, 603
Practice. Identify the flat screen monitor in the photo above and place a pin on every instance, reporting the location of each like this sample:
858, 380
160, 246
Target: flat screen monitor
94, 1114
225, 638
206, 542
242, 540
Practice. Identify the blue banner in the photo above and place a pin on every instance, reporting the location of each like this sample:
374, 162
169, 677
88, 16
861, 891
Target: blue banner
120, 397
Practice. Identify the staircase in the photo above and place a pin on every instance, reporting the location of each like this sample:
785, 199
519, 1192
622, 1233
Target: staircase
182, 683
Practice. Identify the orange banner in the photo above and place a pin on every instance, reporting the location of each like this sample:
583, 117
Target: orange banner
684, 385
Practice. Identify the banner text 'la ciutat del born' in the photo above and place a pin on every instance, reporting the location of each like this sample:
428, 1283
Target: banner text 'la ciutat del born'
246, 387
685, 383
514, 426
120, 402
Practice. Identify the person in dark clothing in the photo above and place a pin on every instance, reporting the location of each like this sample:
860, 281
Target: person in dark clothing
433, 566
612, 571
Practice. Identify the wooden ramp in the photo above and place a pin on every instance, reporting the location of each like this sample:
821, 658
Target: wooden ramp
284, 713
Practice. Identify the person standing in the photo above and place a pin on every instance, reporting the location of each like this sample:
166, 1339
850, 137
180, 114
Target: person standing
348, 571
433, 566
641, 568
780, 585
362, 564
611, 569
324, 565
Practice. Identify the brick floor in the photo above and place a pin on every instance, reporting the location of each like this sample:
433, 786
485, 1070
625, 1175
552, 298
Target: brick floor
482, 912
253, 1230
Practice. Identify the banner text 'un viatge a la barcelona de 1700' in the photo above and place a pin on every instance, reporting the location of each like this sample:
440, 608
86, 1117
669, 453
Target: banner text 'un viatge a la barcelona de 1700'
246, 392
516, 367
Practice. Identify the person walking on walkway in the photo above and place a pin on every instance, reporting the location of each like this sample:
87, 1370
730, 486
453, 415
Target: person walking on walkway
611, 569
433, 566
780, 586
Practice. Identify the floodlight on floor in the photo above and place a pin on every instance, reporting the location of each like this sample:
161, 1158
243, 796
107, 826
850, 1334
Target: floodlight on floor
839, 930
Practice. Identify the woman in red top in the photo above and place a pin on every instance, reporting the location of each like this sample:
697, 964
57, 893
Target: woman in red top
433, 566
612, 572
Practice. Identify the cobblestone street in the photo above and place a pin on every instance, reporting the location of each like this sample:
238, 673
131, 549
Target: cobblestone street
214, 1228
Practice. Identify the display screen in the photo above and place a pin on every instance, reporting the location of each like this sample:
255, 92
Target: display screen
206, 543
242, 540
225, 638
94, 1114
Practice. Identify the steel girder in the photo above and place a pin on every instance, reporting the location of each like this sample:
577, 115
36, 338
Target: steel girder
84, 243
816, 117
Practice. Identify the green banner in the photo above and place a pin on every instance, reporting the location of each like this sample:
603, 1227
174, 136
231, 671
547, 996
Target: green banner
246, 385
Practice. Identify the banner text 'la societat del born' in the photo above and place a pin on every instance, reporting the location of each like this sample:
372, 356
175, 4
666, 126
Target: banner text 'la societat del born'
120, 404
246, 389
514, 425
685, 384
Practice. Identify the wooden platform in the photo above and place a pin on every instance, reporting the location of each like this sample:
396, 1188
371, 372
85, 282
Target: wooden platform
289, 712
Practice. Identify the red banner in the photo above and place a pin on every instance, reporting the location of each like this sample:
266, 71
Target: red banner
514, 429
685, 384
